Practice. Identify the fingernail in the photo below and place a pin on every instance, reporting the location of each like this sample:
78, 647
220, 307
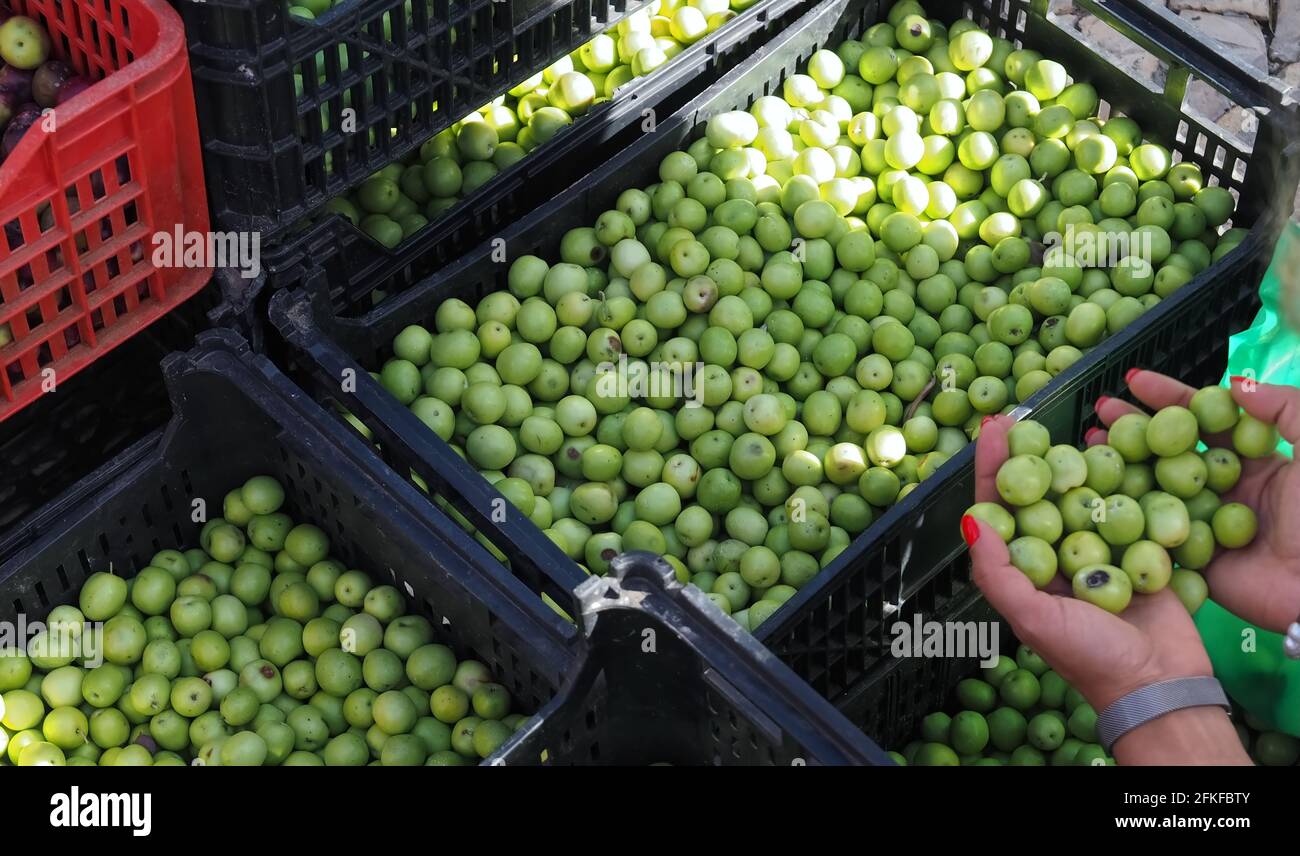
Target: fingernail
1101, 402
1088, 435
1130, 374
1237, 379
970, 530
986, 420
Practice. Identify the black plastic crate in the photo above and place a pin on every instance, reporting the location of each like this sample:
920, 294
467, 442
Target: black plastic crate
273, 155
357, 266
670, 681
834, 631
275, 150
236, 417
890, 702
69, 432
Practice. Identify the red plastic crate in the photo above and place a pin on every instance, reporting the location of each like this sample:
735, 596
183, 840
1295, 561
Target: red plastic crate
81, 201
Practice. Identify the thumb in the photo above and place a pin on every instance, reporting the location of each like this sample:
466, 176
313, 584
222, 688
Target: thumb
1005, 587
1270, 403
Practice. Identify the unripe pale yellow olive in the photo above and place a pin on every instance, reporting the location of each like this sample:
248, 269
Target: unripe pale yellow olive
1046, 79
573, 93
648, 59
689, 25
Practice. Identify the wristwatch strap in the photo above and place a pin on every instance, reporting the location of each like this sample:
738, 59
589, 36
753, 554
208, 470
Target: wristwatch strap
1155, 700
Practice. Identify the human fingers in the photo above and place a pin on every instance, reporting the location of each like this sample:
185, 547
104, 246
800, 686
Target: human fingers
1156, 390
1109, 409
990, 453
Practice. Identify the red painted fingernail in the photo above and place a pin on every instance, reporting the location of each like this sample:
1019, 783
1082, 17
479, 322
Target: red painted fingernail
1237, 379
1101, 402
970, 530
1088, 435
986, 420
1130, 374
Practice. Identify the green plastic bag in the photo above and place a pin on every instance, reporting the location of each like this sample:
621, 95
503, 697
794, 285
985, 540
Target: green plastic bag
1249, 661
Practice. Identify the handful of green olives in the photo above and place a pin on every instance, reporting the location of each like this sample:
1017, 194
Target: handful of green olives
1135, 514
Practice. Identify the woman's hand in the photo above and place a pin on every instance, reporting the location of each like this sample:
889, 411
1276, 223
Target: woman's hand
1261, 581
1102, 655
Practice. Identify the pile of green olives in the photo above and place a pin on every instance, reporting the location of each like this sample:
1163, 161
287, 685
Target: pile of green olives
1020, 713
255, 648
1017, 712
744, 363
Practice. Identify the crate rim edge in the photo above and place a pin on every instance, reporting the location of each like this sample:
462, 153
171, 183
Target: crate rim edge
761, 689
1128, 18
713, 636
